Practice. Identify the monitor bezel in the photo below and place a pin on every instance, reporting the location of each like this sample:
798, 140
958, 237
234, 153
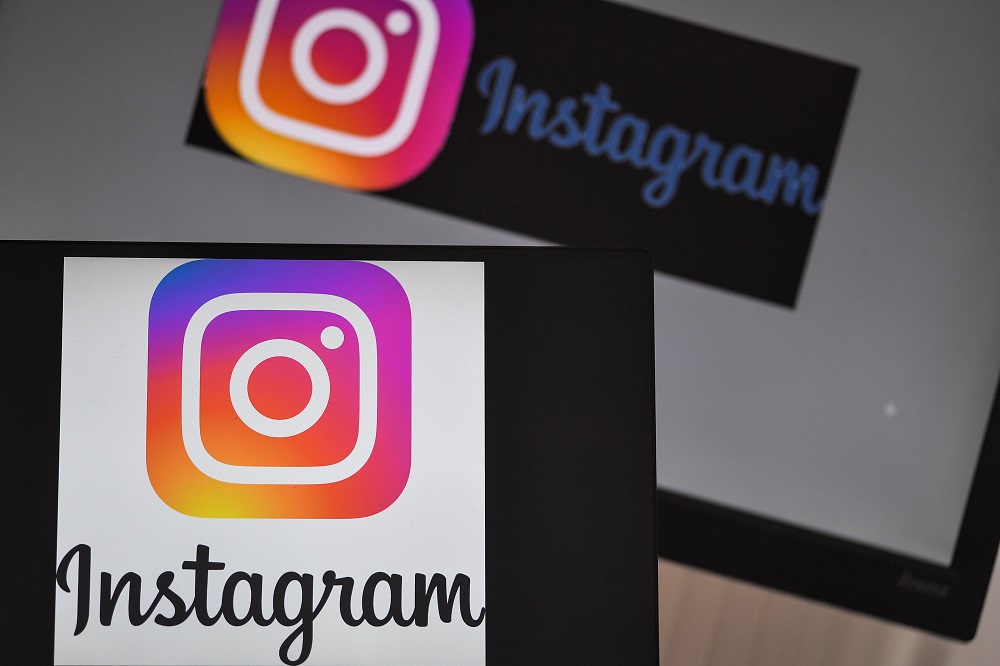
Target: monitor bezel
943, 600
542, 557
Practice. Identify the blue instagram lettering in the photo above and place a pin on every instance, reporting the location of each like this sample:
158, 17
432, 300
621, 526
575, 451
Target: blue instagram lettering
668, 151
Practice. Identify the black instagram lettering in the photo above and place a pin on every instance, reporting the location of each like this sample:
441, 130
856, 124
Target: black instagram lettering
306, 615
82, 583
438, 587
109, 600
255, 611
201, 566
181, 612
426, 591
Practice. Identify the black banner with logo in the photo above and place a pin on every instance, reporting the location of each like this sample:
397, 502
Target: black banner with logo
591, 124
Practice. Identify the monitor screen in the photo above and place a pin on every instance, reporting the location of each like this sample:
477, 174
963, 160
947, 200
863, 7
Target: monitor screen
329, 454
831, 437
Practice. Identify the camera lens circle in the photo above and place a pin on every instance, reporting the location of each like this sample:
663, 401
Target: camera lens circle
398, 22
332, 337
375, 49
265, 425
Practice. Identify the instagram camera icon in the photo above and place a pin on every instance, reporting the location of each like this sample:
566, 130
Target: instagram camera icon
356, 93
279, 389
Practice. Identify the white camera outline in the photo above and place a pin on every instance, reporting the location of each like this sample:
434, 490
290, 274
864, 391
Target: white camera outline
429, 32
280, 475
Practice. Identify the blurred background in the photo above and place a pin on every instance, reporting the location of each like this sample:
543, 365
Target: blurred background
96, 100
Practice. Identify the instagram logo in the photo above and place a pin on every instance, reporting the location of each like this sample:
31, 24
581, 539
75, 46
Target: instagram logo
356, 93
279, 389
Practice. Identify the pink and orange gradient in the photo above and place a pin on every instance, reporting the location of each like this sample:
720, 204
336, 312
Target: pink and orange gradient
355, 93
205, 457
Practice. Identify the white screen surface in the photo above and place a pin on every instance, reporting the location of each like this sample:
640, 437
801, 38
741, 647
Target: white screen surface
861, 412
857, 414
107, 502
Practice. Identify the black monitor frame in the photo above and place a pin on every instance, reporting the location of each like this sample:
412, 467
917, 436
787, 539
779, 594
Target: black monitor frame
571, 576
944, 600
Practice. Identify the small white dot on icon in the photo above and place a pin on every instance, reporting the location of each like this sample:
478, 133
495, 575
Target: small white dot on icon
398, 22
332, 337
890, 409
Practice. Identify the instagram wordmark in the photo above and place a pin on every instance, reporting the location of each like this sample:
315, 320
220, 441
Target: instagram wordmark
279, 389
354, 93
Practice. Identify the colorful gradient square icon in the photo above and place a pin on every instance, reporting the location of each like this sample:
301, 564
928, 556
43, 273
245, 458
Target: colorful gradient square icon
279, 389
355, 93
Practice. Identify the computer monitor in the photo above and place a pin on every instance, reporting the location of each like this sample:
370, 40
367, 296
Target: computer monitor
328, 454
839, 447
